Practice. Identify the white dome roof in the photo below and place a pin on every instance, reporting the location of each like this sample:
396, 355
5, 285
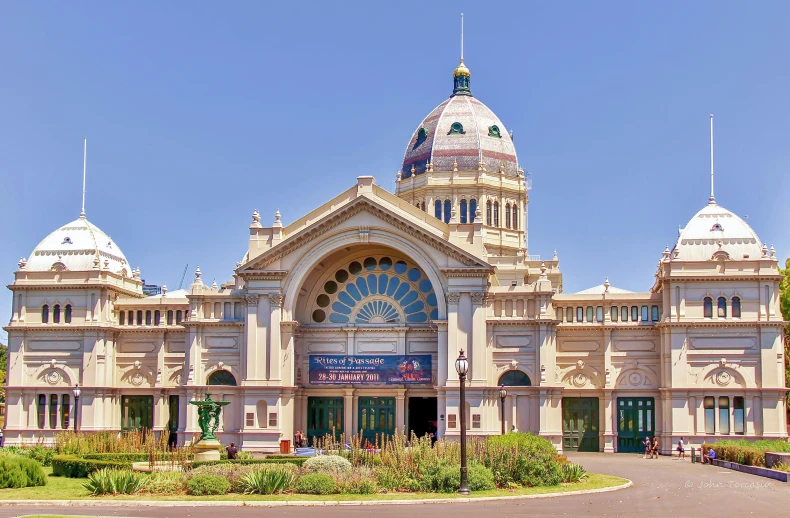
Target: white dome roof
75, 247
715, 229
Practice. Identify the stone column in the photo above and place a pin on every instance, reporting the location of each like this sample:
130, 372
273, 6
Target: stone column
748, 421
441, 403
514, 414
442, 356
400, 409
275, 344
251, 325
288, 352
608, 421
452, 334
732, 415
478, 356
348, 413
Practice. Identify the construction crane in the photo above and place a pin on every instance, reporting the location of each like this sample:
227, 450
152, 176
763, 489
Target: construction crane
182, 276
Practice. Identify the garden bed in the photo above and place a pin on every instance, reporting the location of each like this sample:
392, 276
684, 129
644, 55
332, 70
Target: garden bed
781, 476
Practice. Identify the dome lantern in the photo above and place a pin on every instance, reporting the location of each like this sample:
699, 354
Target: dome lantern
461, 78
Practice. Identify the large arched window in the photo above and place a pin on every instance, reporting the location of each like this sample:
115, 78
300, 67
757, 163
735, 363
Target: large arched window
472, 210
707, 305
488, 213
447, 210
496, 213
45, 314
736, 307
437, 209
515, 379
67, 316
463, 211
56, 314
221, 377
515, 216
722, 308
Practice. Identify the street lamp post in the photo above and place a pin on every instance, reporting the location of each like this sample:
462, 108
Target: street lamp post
462, 367
502, 396
76, 392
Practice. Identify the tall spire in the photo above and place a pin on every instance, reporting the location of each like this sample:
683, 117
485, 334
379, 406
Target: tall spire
84, 168
712, 199
461, 75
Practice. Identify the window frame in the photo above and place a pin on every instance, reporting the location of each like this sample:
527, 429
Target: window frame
709, 409
655, 314
67, 313
472, 210
437, 209
53, 411
65, 414
736, 307
589, 314
724, 411
496, 214
599, 314
560, 314
507, 215
614, 313
739, 415
707, 307
488, 213
579, 314
463, 211
56, 314
45, 314
721, 307
447, 210
634, 313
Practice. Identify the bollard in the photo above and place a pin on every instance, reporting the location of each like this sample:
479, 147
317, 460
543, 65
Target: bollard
693, 456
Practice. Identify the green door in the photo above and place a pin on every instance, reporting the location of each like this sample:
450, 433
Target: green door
580, 423
324, 417
376, 418
137, 412
636, 420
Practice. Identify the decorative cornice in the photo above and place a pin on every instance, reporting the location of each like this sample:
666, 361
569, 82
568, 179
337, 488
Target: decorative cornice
252, 299
213, 323
333, 220
263, 275
468, 272
74, 286
453, 298
479, 297
723, 323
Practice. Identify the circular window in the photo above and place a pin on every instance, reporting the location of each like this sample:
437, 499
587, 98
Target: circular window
369, 263
322, 300
319, 316
354, 268
330, 287
401, 267
341, 276
385, 263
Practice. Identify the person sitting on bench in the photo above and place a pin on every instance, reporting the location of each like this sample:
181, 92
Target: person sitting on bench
709, 457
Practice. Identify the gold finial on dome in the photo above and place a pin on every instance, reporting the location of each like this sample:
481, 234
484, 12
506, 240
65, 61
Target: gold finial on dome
461, 70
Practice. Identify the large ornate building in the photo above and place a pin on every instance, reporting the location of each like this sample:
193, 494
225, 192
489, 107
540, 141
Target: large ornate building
351, 318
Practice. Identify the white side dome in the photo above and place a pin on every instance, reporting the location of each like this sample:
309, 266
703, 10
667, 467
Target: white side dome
716, 229
75, 247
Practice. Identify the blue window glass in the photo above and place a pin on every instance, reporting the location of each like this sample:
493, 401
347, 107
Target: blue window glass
463, 211
437, 209
472, 210
447, 210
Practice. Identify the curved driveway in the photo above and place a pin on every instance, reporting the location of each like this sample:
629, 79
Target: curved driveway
662, 487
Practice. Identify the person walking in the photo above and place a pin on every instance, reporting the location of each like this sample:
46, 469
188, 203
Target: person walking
681, 450
655, 451
648, 447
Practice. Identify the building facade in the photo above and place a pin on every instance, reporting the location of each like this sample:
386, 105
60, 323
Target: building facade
350, 319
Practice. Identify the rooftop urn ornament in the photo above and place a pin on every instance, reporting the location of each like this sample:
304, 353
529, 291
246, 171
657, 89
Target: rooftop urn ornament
773, 251
478, 215
256, 216
164, 289
555, 257
481, 166
665, 253
429, 166
398, 176
606, 285
277, 216
22, 263
765, 250
96, 262
214, 284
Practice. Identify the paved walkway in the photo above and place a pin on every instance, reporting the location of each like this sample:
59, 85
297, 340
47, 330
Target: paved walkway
662, 488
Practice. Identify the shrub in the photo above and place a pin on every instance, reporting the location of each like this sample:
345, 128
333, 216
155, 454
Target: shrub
267, 481
298, 461
244, 455
572, 473
41, 454
164, 483
521, 458
327, 464
207, 485
316, 484
359, 481
16, 471
479, 478
114, 481
76, 467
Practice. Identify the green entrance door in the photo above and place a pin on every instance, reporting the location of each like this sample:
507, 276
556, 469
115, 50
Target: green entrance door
376, 417
580, 423
324, 416
137, 412
636, 420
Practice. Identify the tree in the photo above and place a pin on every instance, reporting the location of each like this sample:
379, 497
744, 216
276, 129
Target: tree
784, 297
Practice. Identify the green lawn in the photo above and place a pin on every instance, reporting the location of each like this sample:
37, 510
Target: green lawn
62, 488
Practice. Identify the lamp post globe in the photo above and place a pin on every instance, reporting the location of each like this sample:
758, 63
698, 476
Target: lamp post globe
502, 396
76, 393
462, 367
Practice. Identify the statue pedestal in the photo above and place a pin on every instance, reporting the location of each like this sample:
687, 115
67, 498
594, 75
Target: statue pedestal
207, 450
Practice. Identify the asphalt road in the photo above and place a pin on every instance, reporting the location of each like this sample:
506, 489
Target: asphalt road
662, 488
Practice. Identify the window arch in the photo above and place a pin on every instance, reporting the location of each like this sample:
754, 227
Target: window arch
56, 314
515, 378
488, 213
507, 216
722, 308
472, 210
707, 305
45, 314
736, 307
221, 377
447, 210
437, 209
496, 213
67, 314
463, 211
515, 216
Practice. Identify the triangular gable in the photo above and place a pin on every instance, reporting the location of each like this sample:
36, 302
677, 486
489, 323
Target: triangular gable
380, 209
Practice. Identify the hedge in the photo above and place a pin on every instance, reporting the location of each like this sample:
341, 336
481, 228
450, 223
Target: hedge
128, 457
78, 467
292, 460
745, 452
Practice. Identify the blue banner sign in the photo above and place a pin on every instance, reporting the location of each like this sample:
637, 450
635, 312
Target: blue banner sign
338, 369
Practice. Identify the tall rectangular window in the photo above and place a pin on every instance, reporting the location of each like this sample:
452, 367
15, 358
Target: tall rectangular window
634, 314
599, 314
53, 411
736, 307
580, 314
615, 315
710, 414
739, 414
172, 412
654, 314
137, 412
589, 313
170, 317
437, 209
569, 315
64, 411
560, 314
41, 409
724, 415
624, 314
645, 315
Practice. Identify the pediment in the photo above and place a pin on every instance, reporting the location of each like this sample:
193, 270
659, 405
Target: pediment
389, 217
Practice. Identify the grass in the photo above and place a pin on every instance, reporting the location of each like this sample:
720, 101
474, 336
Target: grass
62, 488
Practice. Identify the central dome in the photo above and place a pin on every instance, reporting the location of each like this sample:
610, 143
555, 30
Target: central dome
460, 134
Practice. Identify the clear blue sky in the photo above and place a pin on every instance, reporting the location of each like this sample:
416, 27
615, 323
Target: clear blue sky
197, 113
